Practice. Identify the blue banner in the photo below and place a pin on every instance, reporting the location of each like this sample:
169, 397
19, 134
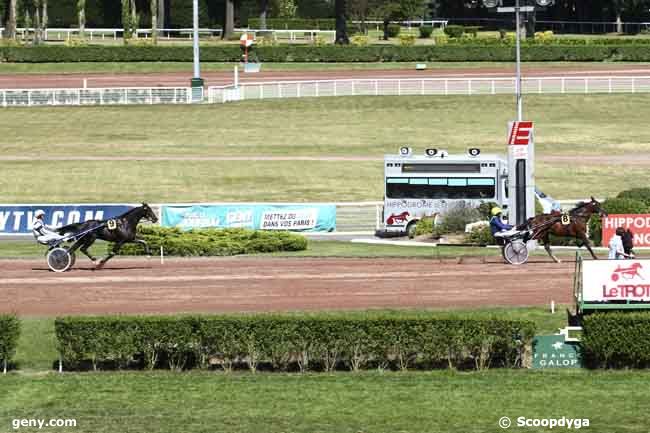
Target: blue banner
308, 217
17, 219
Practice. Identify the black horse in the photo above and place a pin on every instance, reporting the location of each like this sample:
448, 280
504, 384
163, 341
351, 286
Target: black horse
119, 230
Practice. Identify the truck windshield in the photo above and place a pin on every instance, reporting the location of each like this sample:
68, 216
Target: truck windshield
440, 188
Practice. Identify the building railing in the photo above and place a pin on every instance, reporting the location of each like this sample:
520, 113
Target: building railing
98, 96
428, 86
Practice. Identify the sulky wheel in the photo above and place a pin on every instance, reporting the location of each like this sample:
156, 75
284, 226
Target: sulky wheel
59, 259
516, 252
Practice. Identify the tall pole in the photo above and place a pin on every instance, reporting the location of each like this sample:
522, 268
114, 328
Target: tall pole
195, 37
197, 81
518, 61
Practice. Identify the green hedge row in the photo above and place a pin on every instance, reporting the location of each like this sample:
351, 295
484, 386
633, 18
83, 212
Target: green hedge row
617, 340
293, 342
327, 53
214, 242
9, 333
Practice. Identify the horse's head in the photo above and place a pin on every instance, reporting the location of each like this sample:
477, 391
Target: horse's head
597, 207
149, 213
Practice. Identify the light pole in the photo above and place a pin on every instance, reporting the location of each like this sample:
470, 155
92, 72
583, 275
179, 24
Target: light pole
196, 81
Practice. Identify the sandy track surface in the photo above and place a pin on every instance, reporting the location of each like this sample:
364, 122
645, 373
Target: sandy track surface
144, 285
174, 79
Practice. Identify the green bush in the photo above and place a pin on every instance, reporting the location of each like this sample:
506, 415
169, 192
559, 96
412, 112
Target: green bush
442, 52
393, 30
9, 333
426, 32
639, 194
321, 342
454, 31
617, 340
614, 206
471, 30
407, 40
427, 226
457, 218
481, 236
214, 242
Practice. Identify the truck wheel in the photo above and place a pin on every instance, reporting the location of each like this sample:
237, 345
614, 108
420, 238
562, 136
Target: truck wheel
410, 229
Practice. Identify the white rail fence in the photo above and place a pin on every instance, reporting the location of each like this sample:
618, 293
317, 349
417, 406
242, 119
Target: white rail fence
320, 88
97, 96
428, 86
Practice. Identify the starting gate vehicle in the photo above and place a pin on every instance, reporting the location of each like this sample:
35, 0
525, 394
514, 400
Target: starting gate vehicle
417, 186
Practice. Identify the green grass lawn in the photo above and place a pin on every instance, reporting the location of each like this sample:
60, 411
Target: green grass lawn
438, 401
154, 67
573, 125
362, 126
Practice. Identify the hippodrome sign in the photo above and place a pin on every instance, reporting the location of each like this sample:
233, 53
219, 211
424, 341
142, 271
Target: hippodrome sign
520, 135
615, 280
639, 224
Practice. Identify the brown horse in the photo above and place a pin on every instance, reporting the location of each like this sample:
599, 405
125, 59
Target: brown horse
572, 224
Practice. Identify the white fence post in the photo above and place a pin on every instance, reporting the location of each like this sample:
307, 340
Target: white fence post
298, 90
469, 86
562, 86
446, 87
492, 85
399, 87
586, 85
422, 87
633, 85
335, 88
317, 89
352, 86
610, 84
376, 87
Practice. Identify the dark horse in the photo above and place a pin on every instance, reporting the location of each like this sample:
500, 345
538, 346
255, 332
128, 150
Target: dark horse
119, 230
572, 224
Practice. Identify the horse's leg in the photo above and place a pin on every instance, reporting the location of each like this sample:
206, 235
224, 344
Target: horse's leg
547, 247
87, 244
585, 240
144, 244
114, 251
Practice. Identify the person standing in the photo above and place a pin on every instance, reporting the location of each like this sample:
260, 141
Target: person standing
616, 250
628, 243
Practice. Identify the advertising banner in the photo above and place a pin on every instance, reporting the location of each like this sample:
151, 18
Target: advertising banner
552, 351
315, 218
17, 219
615, 280
639, 225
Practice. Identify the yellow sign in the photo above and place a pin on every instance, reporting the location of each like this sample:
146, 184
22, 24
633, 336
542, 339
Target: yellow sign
111, 224
566, 219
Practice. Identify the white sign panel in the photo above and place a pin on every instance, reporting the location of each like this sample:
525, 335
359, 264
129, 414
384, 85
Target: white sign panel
298, 219
520, 136
615, 280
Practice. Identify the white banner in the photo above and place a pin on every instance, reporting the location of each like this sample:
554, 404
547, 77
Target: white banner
294, 219
615, 280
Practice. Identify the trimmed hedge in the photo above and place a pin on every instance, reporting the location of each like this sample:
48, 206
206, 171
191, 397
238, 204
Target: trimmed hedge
293, 342
9, 333
214, 242
326, 53
617, 340
296, 23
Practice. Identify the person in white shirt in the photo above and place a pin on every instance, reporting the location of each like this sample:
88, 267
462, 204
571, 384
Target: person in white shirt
616, 250
43, 234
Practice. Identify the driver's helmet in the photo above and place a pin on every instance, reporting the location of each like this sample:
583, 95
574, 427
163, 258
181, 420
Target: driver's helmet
496, 211
39, 213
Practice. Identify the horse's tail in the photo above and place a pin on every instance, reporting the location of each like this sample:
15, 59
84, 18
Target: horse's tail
70, 228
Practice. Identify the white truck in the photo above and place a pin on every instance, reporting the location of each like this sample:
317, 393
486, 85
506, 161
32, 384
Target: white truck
417, 186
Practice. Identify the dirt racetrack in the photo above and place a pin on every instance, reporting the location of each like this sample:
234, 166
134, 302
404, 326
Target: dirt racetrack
171, 79
141, 285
